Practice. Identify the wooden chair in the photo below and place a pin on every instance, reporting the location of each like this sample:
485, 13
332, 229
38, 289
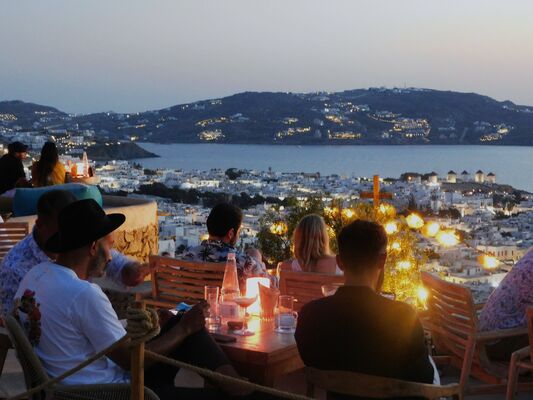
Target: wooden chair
175, 281
10, 234
521, 359
35, 375
305, 286
452, 320
375, 387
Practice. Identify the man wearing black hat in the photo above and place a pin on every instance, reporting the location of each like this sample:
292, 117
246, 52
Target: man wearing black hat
72, 319
11, 168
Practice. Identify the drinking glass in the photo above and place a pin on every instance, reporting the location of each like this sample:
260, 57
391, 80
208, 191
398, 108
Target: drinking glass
329, 290
286, 317
245, 302
213, 320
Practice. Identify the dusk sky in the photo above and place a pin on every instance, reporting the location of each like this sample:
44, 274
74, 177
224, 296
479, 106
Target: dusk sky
135, 55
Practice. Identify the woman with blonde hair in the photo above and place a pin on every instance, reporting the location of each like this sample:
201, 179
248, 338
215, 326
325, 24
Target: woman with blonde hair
311, 248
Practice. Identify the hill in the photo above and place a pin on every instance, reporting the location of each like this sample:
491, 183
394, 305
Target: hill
361, 116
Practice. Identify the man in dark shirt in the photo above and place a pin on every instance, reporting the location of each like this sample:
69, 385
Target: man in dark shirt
357, 329
11, 168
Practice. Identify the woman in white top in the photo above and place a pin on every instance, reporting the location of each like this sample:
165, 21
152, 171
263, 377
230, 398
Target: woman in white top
311, 248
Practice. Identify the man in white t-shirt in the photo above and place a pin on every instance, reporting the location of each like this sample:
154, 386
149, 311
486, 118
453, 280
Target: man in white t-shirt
70, 319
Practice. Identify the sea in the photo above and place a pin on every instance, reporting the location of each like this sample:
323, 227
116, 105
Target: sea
512, 165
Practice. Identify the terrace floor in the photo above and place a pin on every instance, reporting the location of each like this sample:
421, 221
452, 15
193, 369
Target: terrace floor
12, 382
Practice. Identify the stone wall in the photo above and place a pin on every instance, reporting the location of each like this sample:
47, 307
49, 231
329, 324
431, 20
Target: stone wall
138, 243
138, 236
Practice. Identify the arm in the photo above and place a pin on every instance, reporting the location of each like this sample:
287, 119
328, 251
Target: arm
191, 322
125, 271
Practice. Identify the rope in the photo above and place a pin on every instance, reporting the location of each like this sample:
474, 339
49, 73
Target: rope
217, 376
142, 326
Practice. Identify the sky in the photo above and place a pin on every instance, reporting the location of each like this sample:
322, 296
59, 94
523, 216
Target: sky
134, 55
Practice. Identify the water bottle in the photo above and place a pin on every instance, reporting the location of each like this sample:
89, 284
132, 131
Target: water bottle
230, 289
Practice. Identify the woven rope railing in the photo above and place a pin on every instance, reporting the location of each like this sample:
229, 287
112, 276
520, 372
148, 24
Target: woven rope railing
143, 325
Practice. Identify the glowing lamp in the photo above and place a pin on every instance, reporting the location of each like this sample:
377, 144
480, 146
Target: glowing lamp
391, 227
205, 236
431, 229
252, 290
422, 293
348, 213
279, 228
395, 246
386, 209
414, 221
447, 238
490, 262
403, 264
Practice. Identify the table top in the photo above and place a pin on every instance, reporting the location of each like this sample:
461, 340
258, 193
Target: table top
265, 343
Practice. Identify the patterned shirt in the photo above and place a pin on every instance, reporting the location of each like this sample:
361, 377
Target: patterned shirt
506, 306
27, 254
217, 251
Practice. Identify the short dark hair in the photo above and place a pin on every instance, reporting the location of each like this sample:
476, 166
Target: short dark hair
53, 201
360, 244
222, 218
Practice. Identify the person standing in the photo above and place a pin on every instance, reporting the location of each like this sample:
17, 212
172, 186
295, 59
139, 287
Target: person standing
48, 170
11, 168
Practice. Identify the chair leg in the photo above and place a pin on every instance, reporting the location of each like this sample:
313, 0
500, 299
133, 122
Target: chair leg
310, 390
512, 378
5, 345
467, 363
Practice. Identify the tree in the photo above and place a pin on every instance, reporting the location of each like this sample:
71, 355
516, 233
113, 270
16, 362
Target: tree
233, 173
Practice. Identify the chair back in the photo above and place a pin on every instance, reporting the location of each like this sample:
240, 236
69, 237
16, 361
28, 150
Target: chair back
375, 387
305, 286
10, 234
452, 313
34, 373
529, 316
175, 281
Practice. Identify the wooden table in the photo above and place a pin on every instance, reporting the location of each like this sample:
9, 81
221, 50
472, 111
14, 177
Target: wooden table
264, 356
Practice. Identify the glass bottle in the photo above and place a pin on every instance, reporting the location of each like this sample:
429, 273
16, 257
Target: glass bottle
230, 289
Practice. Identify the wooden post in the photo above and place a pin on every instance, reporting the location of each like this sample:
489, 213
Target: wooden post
137, 366
376, 191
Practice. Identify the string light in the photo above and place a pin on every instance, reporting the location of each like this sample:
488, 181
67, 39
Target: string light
279, 228
414, 221
395, 246
403, 265
489, 262
348, 213
391, 227
431, 229
447, 238
422, 294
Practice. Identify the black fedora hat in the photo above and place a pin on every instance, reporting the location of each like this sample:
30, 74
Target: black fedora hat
17, 147
81, 223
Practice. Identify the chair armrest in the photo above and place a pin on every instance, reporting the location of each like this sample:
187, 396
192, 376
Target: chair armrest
522, 353
500, 334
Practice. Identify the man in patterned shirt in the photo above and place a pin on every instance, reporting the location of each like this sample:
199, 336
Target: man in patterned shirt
224, 227
29, 252
506, 308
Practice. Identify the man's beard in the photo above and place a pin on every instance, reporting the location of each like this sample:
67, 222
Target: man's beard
98, 263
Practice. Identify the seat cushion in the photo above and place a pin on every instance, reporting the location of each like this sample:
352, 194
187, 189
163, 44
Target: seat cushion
25, 200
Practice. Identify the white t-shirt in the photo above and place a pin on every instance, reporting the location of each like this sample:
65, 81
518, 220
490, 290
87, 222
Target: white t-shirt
77, 321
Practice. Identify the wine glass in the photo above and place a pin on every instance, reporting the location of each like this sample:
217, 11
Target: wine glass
245, 302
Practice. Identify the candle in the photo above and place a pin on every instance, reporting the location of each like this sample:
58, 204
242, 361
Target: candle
252, 290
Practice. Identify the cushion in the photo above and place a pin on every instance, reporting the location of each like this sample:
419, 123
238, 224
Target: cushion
25, 200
